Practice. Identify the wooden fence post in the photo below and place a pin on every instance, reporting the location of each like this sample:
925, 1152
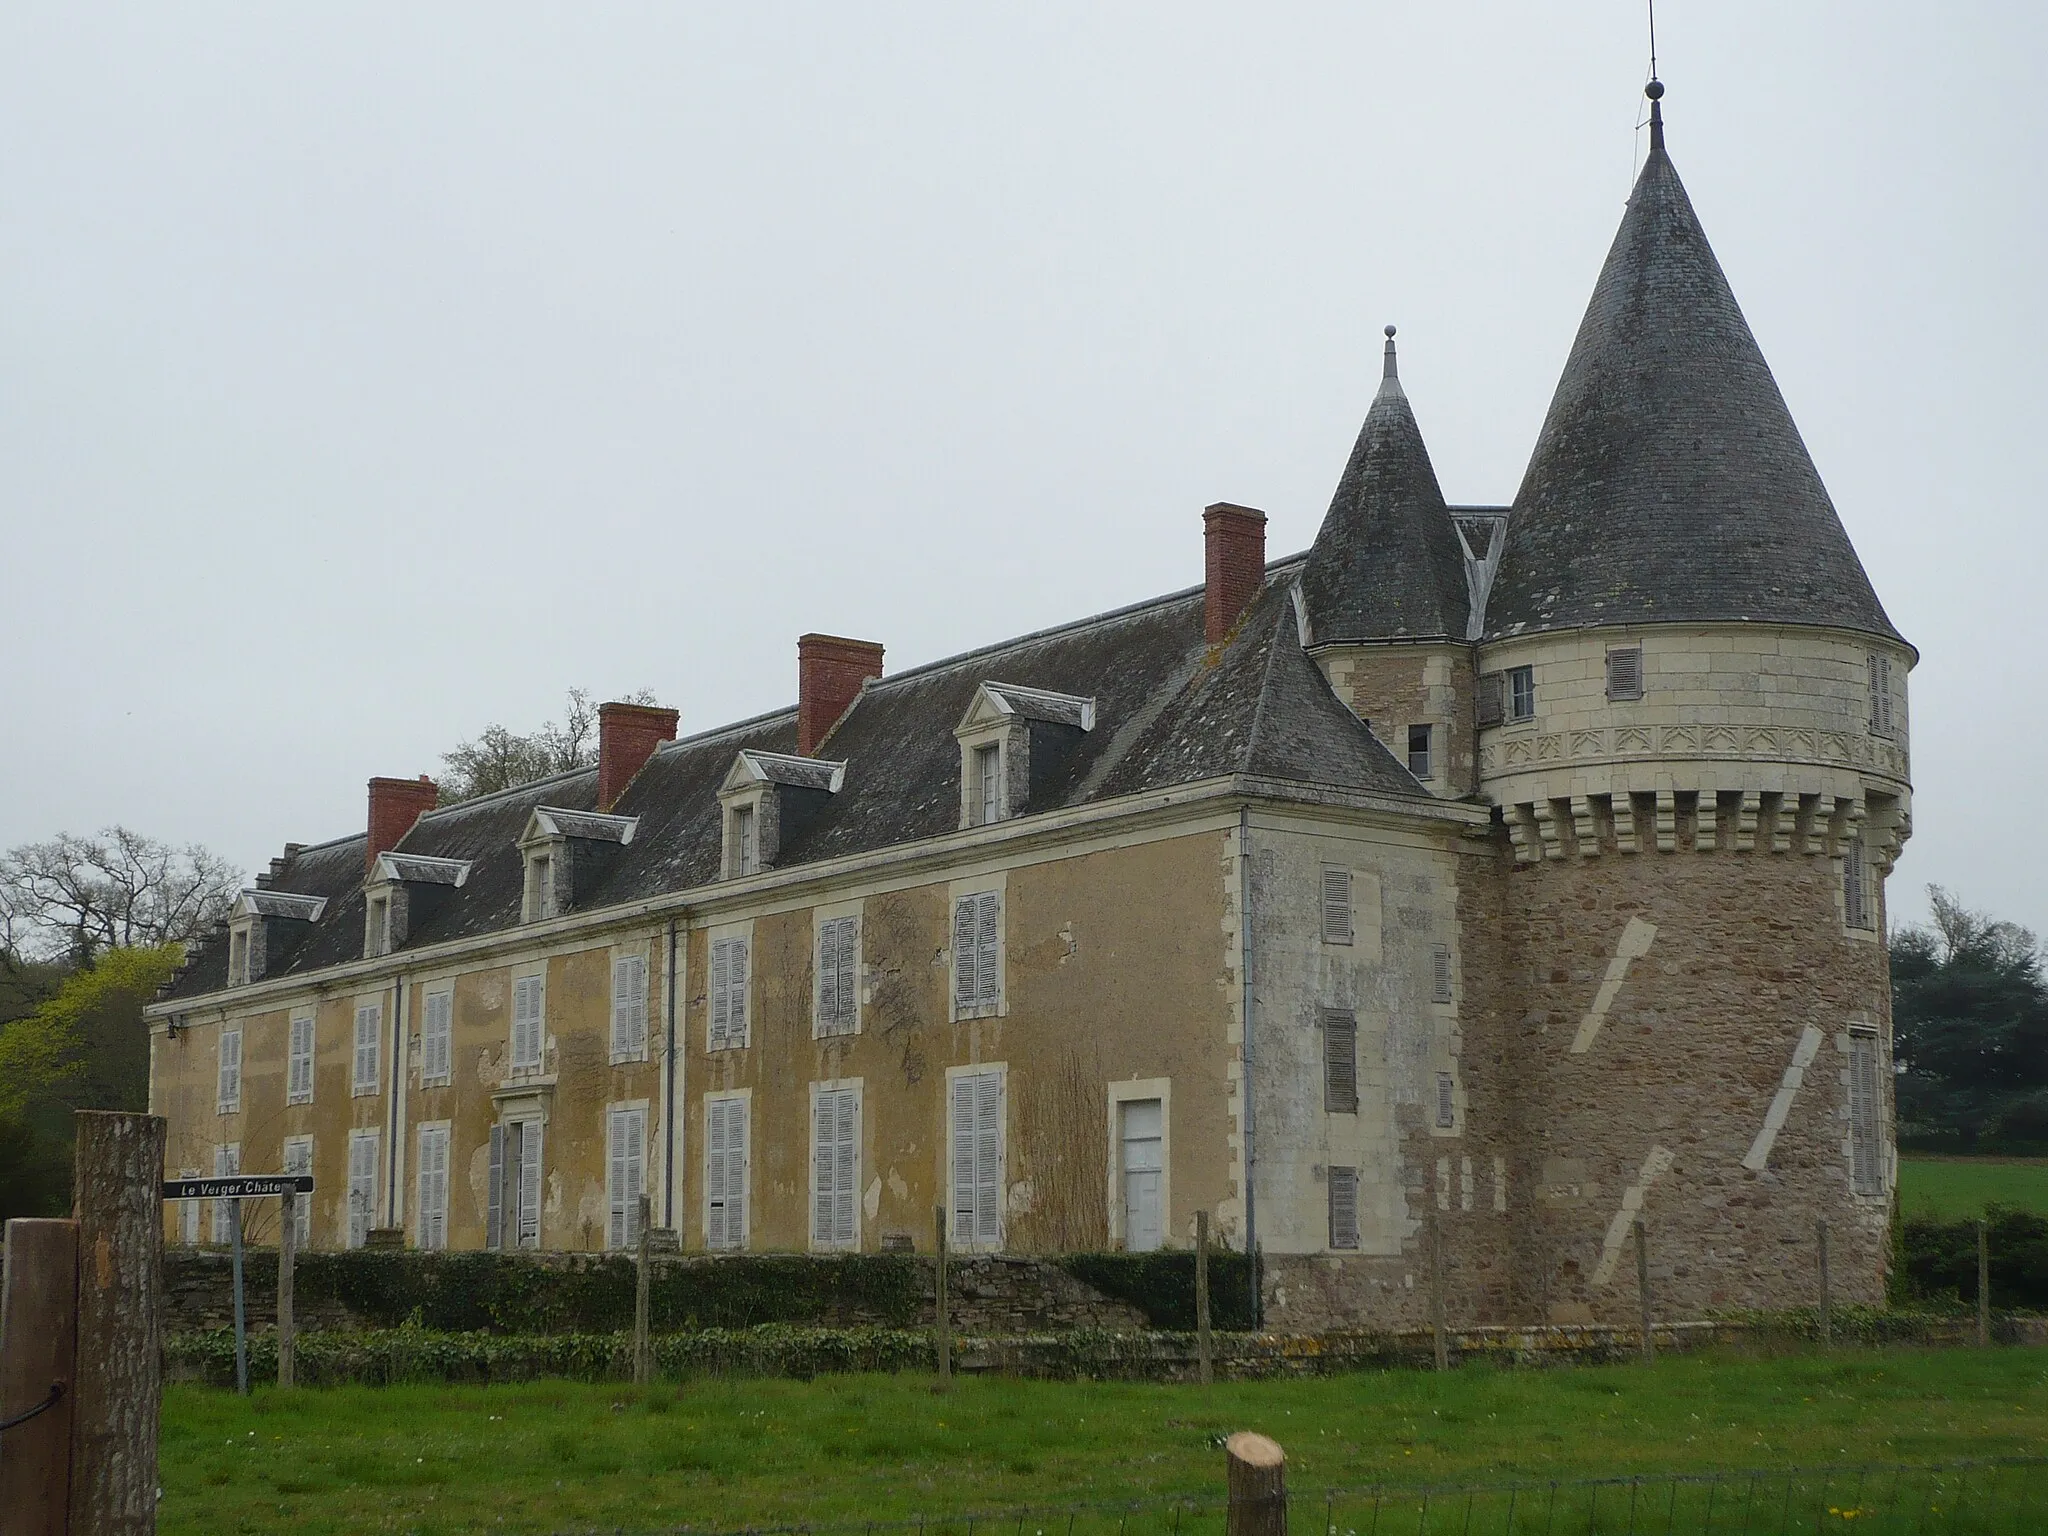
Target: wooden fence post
1827, 1321
1255, 1473
241, 1317
945, 1329
287, 1254
1643, 1291
1436, 1292
1983, 1284
39, 1325
643, 1353
1205, 1367
117, 1200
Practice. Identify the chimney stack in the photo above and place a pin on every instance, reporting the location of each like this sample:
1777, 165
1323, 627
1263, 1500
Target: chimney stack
395, 804
627, 735
1234, 540
829, 674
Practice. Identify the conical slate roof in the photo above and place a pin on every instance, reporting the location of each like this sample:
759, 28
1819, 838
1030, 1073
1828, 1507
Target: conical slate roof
1669, 482
1386, 564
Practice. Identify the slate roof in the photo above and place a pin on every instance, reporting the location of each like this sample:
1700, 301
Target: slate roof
1168, 712
1669, 482
1386, 564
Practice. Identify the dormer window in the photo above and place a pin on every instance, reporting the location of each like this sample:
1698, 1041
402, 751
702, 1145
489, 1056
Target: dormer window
1015, 744
568, 853
265, 927
767, 800
403, 893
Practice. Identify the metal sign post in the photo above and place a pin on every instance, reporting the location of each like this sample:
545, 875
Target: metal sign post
250, 1186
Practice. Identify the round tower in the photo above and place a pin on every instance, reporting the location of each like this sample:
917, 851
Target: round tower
1691, 717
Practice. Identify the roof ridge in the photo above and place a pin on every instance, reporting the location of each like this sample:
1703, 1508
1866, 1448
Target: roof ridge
473, 801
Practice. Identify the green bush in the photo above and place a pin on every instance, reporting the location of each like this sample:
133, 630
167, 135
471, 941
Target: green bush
1161, 1284
1938, 1260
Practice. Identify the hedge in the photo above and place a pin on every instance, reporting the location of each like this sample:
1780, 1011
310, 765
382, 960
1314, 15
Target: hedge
1161, 1284
1938, 1261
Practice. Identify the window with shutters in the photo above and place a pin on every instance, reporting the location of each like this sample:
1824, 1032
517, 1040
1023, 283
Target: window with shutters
975, 1131
1343, 1184
226, 1160
728, 1026
977, 955
629, 1007
529, 1022
188, 1213
298, 1072
725, 1171
1340, 1061
1421, 761
229, 1097
1866, 1114
1336, 905
432, 1231
1492, 699
1440, 977
1446, 1101
437, 1039
362, 1186
835, 1165
363, 1076
1625, 673
1855, 885
512, 1214
1880, 668
625, 1178
838, 962
1521, 693
298, 1158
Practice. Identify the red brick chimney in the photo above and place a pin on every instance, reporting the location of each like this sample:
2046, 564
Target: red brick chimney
395, 804
829, 672
1235, 544
627, 735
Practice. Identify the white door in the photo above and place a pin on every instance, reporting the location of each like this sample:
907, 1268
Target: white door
1144, 1127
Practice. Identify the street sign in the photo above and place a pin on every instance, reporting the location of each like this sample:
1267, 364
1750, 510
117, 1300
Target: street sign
239, 1186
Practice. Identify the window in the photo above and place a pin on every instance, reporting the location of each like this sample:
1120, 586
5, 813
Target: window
238, 957
298, 1078
512, 1215
1625, 673
369, 1021
1521, 693
1446, 1101
977, 1158
529, 1008
1344, 1208
1866, 1114
226, 1160
1880, 694
977, 925
728, 994
1336, 905
838, 976
540, 886
629, 1007
625, 1176
188, 1213
377, 926
1492, 699
1340, 1061
362, 1185
1440, 990
746, 841
835, 1166
433, 1197
1855, 888
988, 784
1144, 1143
437, 1039
1419, 762
725, 1173
298, 1158
229, 1099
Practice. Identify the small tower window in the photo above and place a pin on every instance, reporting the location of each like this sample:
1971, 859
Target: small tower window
1625, 673
1521, 693
1419, 762
1880, 694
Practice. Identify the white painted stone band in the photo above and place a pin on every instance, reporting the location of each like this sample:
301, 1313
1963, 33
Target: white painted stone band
1781, 1101
1635, 943
1655, 1166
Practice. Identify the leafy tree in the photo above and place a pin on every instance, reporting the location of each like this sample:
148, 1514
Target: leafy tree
76, 896
499, 758
1970, 1028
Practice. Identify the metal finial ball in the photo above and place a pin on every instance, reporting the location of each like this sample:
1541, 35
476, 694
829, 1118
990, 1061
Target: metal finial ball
1390, 333
1654, 90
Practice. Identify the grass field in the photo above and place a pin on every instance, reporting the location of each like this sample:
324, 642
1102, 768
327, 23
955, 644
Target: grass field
557, 1456
1963, 1186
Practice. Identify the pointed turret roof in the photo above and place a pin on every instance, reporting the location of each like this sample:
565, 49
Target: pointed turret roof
1669, 482
1386, 564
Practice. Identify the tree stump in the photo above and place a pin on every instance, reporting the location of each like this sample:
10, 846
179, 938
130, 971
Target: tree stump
1256, 1476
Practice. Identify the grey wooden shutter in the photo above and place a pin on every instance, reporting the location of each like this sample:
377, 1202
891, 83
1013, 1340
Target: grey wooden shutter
1340, 1061
1336, 905
1446, 1100
1343, 1183
987, 925
964, 952
736, 984
494, 1217
845, 1163
615, 1180
1855, 901
1880, 695
846, 971
988, 1158
1625, 673
1440, 973
963, 1158
1865, 1101
1492, 698
529, 1184
823, 1166
714, 1173
721, 992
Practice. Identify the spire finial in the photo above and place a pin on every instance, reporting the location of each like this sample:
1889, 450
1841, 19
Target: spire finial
1655, 91
1392, 372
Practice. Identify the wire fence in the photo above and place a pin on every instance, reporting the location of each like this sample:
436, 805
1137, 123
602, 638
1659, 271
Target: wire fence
2002, 1497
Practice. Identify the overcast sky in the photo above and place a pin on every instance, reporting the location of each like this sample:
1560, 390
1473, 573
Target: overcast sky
371, 374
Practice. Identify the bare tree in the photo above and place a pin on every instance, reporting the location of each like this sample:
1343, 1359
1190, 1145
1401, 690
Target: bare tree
499, 758
117, 889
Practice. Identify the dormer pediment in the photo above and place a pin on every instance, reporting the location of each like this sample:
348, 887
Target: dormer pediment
550, 823
751, 769
418, 869
285, 904
996, 704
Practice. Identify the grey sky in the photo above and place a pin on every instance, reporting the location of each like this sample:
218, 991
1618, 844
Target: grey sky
368, 375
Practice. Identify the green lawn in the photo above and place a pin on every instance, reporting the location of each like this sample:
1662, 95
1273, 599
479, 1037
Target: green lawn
1952, 1187
556, 1456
